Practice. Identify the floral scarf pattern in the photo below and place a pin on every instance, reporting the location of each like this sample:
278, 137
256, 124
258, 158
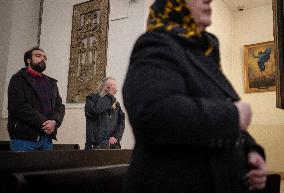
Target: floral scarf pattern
174, 16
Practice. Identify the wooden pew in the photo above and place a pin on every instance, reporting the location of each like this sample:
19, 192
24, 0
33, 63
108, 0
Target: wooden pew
13, 165
104, 179
52, 160
93, 171
272, 184
5, 146
60, 147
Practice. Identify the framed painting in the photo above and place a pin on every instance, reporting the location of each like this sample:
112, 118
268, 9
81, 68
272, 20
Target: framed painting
259, 64
278, 25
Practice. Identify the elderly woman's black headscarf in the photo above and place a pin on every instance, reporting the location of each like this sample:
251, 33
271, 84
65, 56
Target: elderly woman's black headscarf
174, 16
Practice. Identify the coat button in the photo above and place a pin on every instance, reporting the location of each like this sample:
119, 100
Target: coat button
220, 143
227, 143
237, 144
212, 143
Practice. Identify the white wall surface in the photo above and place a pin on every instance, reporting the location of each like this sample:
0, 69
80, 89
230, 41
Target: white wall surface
19, 26
234, 30
254, 26
222, 27
251, 27
56, 40
23, 35
5, 20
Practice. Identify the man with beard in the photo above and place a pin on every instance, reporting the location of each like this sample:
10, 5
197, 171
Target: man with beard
34, 105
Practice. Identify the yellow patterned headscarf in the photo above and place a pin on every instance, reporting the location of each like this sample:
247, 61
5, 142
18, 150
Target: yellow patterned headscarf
174, 16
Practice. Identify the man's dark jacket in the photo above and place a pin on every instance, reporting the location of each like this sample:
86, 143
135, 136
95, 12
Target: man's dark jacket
24, 117
186, 126
102, 121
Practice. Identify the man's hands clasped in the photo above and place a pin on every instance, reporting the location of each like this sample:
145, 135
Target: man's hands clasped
49, 126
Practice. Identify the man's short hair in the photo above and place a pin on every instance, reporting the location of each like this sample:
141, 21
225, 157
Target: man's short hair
28, 54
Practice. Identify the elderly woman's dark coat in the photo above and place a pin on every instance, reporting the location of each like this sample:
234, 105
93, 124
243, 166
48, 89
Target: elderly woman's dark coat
185, 123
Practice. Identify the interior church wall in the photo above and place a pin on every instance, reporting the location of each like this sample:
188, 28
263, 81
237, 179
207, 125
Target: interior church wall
253, 26
19, 21
56, 39
125, 25
122, 35
234, 29
222, 27
5, 21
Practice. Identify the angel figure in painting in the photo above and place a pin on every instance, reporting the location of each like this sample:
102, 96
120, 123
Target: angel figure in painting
263, 57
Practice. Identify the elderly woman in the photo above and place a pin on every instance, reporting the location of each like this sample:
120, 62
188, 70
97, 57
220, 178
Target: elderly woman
188, 121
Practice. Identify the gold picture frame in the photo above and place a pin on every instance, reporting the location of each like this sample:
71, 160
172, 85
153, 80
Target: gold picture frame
278, 24
259, 67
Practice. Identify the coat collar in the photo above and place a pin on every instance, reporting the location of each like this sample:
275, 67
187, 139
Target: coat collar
215, 75
30, 81
213, 72
27, 77
34, 73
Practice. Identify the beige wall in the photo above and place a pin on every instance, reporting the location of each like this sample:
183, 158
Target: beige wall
5, 20
267, 124
55, 39
21, 19
222, 27
122, 35
234, 29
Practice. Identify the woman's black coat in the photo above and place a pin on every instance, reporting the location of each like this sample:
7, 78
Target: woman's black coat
186, 126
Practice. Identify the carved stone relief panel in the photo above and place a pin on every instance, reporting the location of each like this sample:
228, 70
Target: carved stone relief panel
88, 50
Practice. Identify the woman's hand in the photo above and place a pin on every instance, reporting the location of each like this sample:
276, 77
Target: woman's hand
256, 177
245, 114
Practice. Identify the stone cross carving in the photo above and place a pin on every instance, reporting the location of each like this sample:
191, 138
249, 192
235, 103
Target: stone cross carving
88, 49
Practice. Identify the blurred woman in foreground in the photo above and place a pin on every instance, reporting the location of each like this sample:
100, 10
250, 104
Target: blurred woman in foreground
190, 125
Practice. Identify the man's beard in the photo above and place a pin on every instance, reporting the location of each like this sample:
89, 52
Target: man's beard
38, 67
